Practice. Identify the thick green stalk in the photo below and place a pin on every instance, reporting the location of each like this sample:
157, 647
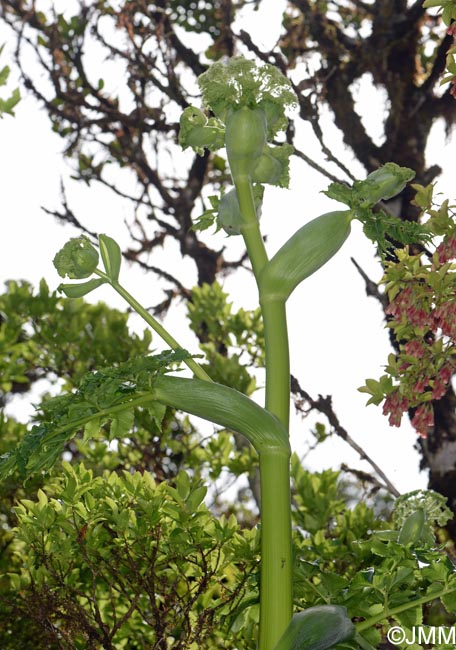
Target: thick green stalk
277, 359
276, 577
156, 326
250, 227
276, 595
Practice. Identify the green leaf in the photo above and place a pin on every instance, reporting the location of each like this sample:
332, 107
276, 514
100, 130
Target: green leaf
121, 424
427, 4
7, 105
340, 192
81, 289
4, 73
317, 628
449, 602
102, 396
111, 256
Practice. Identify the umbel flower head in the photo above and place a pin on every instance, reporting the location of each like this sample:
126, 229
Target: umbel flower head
77, 259
249, 104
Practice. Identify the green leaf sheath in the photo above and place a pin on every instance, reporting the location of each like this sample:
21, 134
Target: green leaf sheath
225, 407
82, 288
304, 253
317, 628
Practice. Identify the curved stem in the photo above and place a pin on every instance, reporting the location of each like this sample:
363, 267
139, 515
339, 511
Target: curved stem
156, 326
364, 625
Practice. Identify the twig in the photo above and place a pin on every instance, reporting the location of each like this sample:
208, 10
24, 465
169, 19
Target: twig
324, 406
371, 286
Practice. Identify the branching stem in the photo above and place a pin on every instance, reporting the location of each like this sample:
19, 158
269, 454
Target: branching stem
156, 326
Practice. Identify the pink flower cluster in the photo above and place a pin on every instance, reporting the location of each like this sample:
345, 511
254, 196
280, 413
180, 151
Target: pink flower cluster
423, 420
425, 363
446, 251
395, 405
444, 318
406, 307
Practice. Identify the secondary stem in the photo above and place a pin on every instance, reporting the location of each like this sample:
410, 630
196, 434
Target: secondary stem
157, 327
386, 613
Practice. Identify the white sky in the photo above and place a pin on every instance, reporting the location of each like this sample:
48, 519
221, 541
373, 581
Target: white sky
336, 333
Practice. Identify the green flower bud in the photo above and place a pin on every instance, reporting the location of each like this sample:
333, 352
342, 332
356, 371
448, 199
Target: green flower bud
229, 211
383, 183
77, 259
245, 139
267, 169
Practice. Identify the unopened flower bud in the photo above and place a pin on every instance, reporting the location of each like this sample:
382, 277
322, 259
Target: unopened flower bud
245, 138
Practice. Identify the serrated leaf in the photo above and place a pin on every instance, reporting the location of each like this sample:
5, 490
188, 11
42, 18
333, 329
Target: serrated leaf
157, 412
340, 192
121, 424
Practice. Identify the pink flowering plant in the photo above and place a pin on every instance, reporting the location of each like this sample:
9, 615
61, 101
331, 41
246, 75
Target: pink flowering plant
422, 317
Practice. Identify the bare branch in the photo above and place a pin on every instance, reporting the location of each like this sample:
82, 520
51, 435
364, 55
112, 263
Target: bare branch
324, 405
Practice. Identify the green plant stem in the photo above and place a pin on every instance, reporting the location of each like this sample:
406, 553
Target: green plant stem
276, 575
370, 622
277, 359
276, 596
156, 326
250, 227
361, 641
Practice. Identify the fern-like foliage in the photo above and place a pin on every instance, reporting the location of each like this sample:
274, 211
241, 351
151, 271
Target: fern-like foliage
389, 232
364, 199
105, 398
